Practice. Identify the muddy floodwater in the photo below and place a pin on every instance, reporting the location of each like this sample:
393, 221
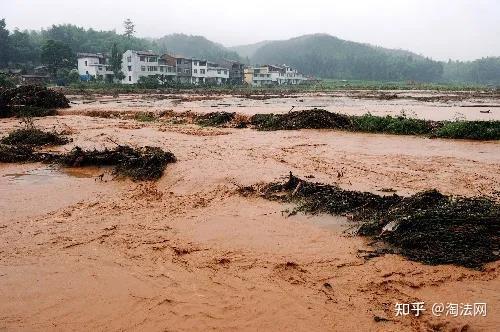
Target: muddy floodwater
81, 250
416, 104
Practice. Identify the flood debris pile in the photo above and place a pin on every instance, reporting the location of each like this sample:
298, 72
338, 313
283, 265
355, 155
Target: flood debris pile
399, 125
34, 137
428, 227
215, 119
146, 163
30, 100
139, 164
17, 153
307, 119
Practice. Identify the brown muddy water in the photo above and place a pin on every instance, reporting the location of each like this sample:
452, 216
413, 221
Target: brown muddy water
441, 106
188, 253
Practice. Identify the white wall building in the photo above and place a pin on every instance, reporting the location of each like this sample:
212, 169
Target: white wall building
217, 74
136, 64
273, 75
92, 66
199, 71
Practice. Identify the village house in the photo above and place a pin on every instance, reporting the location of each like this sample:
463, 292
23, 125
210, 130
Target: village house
217, 74
136, 64
236, 71
93, 66
196, 71
273, 75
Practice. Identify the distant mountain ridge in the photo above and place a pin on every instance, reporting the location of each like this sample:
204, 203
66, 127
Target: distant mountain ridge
327, 56
194, 46
248, 50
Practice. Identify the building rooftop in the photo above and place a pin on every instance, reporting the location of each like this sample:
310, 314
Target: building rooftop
90, 55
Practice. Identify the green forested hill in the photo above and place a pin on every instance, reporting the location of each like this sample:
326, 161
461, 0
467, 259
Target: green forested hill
330, 57
194, 46
248, 51
24, 46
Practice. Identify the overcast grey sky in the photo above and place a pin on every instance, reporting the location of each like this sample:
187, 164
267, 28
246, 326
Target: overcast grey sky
441, 29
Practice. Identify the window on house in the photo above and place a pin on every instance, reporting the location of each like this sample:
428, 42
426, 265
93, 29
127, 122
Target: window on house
143, 68
218, 71
162, 69
130, 78
100, 68
129, 59
87, 72
186, 71
142, 58
195, 71
202, 71
86, 63
179, 61
195, 63
152, 59
129, 68
225, 72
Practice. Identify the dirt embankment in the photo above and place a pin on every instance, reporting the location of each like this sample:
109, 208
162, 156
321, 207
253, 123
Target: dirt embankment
188, 252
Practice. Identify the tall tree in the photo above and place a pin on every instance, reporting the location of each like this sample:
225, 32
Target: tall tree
116, 62
129, 28
56, 55
23, 49
4, 44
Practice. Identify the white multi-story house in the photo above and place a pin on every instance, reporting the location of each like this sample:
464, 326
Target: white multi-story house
293, 76
199, 71
93, 66
217, 74
136, 64
273, 75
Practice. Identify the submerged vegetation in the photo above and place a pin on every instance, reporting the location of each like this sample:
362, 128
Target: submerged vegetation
215, 118
33, 137
399, 125
146, 163
428, 227
139, 164
30, 100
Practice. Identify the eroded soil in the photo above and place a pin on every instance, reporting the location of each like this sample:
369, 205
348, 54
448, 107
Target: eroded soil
84, 252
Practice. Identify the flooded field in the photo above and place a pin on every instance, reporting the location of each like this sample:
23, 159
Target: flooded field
417, 104
81, 251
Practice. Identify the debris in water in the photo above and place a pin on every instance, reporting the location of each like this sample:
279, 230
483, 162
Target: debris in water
34, 137
427, 227
147, 163
215, 118
30, 100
